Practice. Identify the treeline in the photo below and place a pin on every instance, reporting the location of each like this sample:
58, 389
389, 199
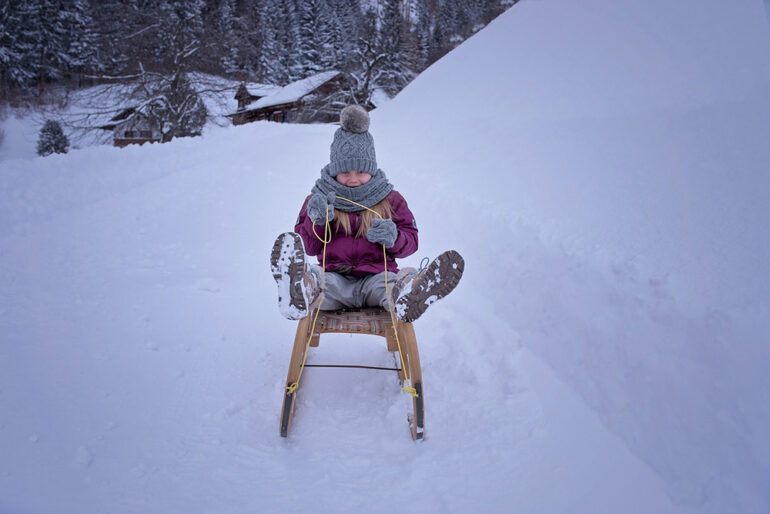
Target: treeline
79, 42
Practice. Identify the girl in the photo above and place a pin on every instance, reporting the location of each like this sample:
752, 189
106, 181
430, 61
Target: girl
364, 213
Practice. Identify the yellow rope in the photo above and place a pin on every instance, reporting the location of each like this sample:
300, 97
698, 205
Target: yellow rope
325, 240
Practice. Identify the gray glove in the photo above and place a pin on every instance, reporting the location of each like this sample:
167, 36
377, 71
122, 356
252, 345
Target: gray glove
382, 231
316, 207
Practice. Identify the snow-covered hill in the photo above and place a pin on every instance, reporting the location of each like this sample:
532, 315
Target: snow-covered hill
628, 140
602, 169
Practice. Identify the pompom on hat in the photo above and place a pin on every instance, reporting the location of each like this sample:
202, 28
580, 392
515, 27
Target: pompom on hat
353, 146
354, 118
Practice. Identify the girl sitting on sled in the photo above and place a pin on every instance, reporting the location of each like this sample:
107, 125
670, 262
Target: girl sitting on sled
355, 211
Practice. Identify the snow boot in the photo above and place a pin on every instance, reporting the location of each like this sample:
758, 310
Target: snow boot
416, 290
298, 284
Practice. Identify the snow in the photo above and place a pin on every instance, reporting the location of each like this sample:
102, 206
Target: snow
636, 162
605, 350
20, 139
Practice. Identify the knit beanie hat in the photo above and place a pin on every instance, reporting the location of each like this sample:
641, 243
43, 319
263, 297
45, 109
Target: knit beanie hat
353, 146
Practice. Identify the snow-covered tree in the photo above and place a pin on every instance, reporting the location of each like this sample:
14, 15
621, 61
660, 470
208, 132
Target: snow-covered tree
116, 28
368, 74
333, 44
169, 101
284, 19
81, 39
44, 40
227, 26
311, 24
390, 42
320, 38
52, 139
184, 111
13, 73
268, 66
420, 35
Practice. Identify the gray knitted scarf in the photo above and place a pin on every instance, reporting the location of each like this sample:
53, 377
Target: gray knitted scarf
368, 194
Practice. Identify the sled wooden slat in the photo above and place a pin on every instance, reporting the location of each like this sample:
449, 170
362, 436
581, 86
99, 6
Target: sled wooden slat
370, 321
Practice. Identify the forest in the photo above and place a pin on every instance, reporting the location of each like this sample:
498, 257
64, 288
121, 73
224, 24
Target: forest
47, 46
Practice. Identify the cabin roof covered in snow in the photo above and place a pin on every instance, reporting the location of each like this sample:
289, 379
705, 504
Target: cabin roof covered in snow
296, 90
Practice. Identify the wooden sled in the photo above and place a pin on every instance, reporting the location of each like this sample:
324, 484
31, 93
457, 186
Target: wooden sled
374, 321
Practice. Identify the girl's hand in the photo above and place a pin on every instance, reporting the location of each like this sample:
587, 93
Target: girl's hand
316, 207
382, 231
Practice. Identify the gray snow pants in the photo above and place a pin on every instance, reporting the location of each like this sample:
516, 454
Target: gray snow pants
345, 291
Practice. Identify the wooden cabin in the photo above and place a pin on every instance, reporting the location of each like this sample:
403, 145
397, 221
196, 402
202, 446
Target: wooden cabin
133, 128
301, 101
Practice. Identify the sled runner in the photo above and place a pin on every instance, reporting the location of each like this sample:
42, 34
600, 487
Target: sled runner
373, 321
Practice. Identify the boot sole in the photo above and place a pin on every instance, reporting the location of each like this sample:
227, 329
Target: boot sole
287, 264
438, 280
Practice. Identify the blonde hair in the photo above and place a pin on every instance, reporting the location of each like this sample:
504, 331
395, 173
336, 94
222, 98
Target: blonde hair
343, 220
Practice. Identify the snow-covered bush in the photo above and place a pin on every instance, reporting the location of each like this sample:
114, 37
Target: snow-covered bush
52, 139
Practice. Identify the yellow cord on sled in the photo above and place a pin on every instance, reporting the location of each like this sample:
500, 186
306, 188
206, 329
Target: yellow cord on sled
325, 240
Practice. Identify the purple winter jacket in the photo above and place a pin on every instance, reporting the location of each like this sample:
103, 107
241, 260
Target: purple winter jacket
356, 255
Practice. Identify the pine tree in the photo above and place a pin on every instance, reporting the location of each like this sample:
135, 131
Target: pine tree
289, 66
13, 72
421, 18
81, 39
390, 42
333, 43
113, 51
267, 61
243, 46
320, 38
412, 60
348, 20
52, 139
227, 27
310, 27
43, 38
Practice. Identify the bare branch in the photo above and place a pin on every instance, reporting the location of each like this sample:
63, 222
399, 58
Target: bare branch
142, 31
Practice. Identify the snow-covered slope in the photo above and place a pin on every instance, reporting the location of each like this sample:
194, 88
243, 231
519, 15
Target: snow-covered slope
627, 141
143, 359
603, 353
